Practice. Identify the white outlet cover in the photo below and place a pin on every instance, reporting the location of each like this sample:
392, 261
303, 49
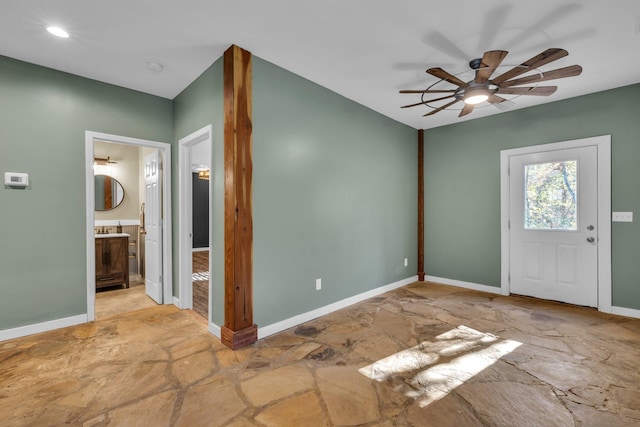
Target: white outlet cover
622, 216
318, 284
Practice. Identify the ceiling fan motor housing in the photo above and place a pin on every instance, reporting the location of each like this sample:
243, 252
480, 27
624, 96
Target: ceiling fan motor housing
475, 63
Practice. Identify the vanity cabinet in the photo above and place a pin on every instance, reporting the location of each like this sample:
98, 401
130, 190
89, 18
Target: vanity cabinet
112, 261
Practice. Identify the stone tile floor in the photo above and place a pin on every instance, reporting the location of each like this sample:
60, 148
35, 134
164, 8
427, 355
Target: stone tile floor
438, 356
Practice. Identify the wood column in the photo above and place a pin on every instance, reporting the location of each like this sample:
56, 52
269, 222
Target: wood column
238, 330
421, 205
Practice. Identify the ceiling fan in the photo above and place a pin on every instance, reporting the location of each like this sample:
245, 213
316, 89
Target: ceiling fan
484, 88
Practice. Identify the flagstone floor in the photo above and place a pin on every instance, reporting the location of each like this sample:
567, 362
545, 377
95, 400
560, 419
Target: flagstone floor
423, 355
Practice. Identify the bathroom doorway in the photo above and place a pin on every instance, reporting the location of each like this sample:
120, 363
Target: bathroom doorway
130, 292
196, 221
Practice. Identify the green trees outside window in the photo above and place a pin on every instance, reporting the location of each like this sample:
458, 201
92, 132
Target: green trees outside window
550, 196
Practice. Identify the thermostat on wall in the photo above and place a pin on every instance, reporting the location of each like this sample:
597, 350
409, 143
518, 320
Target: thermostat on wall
14, 179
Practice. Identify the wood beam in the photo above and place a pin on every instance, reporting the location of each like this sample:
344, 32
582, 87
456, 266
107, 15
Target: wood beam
238, 330
421, 205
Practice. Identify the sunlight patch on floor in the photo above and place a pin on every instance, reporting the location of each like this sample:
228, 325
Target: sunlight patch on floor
453, 358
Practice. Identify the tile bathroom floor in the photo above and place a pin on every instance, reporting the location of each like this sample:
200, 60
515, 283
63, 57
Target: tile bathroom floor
117, 300
422, 355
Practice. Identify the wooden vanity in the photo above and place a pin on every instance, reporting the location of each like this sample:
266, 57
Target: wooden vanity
112, 260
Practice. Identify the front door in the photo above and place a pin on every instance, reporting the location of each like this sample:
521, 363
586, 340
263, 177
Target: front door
553, 225
153, 226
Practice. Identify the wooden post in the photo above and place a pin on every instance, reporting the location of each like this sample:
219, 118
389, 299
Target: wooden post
421, 205
238, 330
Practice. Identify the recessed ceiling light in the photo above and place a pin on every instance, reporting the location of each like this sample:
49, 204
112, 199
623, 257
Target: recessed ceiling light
58, 32
154, 66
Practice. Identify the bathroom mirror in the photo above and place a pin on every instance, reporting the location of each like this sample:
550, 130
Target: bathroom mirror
109, 192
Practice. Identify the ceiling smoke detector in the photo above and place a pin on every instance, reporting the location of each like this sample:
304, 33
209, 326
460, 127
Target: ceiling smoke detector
154, 66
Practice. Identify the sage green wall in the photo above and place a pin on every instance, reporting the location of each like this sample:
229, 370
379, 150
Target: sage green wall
199, 105
462, 183
334, 196
43, 118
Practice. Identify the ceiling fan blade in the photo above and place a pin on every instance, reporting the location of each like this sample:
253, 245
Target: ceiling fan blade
468, 108
426, 91
495, 99
412, 105
442, 74
539, 60
426, 102
528, 90
441, 108
490, 61
439, 99
573, 70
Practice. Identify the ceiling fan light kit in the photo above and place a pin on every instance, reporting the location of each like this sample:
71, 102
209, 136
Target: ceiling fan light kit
475, 95
485, 89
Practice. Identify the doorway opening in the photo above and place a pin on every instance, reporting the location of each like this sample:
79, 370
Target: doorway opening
147, 255
195, 229
555, 221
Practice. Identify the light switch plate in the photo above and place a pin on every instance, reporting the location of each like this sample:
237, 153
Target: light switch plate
622, 217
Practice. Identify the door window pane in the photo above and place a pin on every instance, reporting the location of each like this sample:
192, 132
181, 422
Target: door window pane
550, 196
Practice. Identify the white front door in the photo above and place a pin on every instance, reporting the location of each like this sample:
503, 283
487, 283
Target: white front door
153, 226
553, 225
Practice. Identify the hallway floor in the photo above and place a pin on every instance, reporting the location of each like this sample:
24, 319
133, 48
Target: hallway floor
200, 282
423, 355
118, 300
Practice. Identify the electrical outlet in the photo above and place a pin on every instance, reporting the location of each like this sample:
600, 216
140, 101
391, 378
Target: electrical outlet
406, 262
318, 284
622, 216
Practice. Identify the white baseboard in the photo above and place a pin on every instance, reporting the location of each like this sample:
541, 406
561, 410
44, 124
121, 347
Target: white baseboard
620, 311
629, 312
215, 330
199, 249
176, 302
467, 285
23, 331
265, 331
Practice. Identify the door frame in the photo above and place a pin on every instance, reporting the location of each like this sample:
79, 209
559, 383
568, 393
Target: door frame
165, 150
185, 266
603, 145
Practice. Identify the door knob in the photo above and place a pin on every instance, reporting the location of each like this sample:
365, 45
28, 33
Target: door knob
591, 239
590, 227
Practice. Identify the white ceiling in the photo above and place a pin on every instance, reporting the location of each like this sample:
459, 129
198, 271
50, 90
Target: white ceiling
365, 50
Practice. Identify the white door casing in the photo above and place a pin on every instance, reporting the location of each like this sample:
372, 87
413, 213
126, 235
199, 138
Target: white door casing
153, 226
165, 149
555, 261
603, 263
201, 136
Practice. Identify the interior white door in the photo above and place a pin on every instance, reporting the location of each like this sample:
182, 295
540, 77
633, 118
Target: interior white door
153, 226
553, 225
